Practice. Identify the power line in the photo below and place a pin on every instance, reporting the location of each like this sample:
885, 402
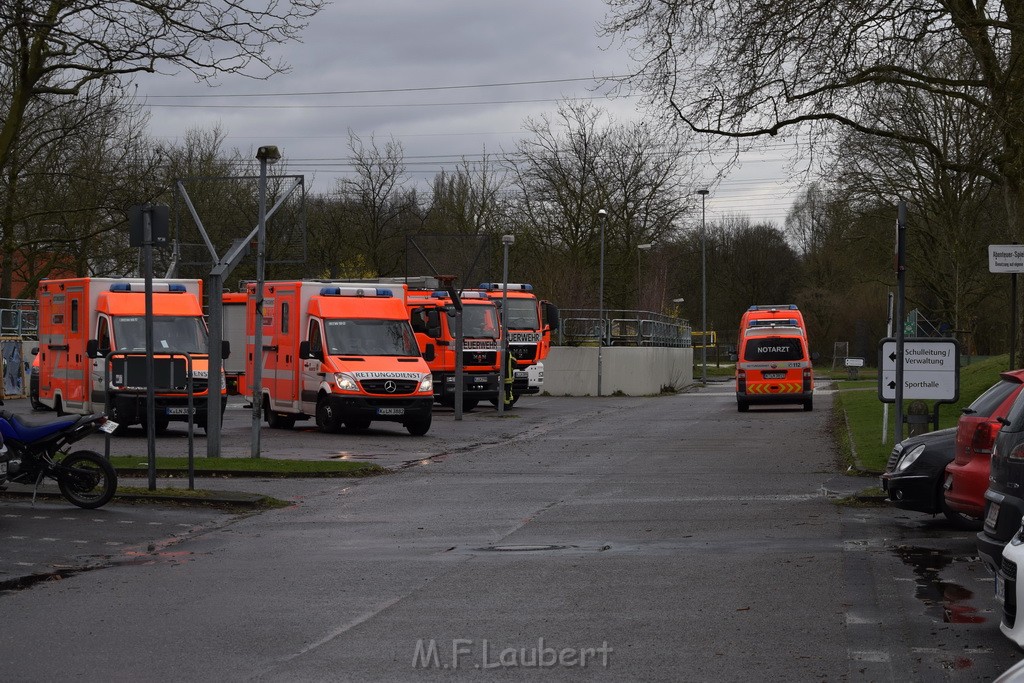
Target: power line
387, 90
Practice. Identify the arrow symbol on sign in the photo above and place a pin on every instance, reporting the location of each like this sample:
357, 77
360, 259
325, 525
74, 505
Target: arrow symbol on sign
892, 385
892, 356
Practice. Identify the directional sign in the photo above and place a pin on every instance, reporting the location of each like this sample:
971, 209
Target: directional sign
931, 369
1005, 258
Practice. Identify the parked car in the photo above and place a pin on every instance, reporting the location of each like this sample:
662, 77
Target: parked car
976, 431
915, 473
1008, 590
1004, 499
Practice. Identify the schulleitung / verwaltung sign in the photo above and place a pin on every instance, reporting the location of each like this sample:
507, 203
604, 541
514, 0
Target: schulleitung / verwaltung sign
1006, 258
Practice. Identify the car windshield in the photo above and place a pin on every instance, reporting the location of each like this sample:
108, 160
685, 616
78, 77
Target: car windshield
773, 349
370, 337
179, 333
522, 314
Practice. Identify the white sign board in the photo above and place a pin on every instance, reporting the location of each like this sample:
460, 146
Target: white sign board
931, 369
1006, 258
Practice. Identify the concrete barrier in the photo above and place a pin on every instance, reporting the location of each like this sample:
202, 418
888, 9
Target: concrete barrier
633, 371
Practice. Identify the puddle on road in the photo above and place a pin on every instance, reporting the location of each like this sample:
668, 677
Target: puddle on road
944, 600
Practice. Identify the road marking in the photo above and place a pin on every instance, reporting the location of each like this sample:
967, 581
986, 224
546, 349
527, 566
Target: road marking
869, 655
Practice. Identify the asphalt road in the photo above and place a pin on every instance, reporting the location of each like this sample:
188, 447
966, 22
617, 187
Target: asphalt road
619, 538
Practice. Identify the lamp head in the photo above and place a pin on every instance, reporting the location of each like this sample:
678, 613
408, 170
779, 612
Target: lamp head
601, 213
508, 239
703, 191
268, 153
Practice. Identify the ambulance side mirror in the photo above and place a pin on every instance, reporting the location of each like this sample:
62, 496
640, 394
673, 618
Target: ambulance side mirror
92, 348
428, 353
306, 353
225, 348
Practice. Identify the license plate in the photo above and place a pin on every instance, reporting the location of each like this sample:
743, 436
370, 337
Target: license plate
773, 375
109, 426
391, 411
948, 484
179, 410
480, 380
992, 515
1000, 588
521, 374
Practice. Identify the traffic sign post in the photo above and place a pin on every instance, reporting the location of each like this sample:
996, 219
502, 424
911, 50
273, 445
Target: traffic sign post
931, 369
1008, 258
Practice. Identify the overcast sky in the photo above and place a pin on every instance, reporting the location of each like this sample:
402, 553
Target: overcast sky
409, 47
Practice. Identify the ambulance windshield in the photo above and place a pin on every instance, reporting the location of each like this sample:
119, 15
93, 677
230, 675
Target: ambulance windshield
522, 314
180, 333
358, 337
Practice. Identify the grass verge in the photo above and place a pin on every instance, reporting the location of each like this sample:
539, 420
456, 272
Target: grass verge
126, 464
860, 414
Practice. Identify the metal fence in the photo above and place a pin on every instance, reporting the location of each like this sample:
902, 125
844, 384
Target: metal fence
19, 330
585, 327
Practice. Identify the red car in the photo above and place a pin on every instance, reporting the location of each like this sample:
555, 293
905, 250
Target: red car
976, 430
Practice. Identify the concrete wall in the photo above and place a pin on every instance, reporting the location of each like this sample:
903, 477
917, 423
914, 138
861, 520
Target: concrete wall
635, 371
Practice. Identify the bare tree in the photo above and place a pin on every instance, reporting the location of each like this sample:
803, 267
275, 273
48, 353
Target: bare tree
56, 48
578, 162
67, 186
751, 68
384, 208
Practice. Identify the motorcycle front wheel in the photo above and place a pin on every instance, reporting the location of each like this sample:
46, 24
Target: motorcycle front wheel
87, 479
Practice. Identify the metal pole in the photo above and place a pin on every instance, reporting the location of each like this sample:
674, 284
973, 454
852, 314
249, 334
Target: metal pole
601, 218
901, 273
506, 240
1013, 320
703, 292
257, 352
149, 420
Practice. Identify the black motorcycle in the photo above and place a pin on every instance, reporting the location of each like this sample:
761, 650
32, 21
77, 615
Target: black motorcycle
33, 450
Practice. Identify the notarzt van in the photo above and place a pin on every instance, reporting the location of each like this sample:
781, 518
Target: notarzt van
774, 366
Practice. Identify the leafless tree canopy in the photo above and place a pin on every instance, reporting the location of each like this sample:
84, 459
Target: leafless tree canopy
57, 47
749, 68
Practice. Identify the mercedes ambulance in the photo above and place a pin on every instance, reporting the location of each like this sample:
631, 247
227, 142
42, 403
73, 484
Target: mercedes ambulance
342, 353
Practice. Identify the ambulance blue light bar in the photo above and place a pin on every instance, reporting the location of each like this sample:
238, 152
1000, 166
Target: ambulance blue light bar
519, 287
774, 307
177, 288
354, 291
442, 294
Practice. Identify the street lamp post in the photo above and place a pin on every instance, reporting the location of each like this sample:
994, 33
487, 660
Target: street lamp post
506, 242
703, 292
640, 248
268, 154
602, 217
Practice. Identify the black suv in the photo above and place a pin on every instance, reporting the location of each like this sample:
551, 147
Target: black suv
1004, 500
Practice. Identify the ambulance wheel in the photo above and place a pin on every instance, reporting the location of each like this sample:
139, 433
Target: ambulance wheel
419, 426
742, 406
58, 406
326, 419
276, 420
357, 424
809, 404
